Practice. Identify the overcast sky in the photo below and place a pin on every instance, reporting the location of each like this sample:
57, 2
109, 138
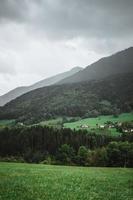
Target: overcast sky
40, 38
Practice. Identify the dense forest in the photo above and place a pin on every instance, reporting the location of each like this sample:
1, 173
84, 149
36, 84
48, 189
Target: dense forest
112, 95
65, 146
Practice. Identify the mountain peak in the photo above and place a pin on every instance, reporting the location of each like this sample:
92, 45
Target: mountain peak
76, 69
45, 82
120, 62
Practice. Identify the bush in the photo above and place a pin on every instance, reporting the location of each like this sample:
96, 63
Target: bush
49, 160
66, 154
82, 156
12, 159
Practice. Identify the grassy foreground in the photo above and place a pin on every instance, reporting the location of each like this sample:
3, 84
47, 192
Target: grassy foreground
40, 182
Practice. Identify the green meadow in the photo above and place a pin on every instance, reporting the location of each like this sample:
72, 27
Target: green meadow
91, 122
40, 182
4, 123
56, 123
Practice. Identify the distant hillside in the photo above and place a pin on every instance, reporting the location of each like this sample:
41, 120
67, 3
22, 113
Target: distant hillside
49, 81
109, 96
121, 62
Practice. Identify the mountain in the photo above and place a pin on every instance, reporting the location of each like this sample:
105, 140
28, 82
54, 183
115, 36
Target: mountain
49, 81
105, 87
121, 62
92, 98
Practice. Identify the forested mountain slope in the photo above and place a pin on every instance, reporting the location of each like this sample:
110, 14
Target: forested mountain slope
107, 96
48, 81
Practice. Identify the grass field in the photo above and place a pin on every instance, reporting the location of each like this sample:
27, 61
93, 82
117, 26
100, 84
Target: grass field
56, 123
4, 123
43, 182
91, 122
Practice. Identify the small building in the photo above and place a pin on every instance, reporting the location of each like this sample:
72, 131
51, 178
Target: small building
102, 126
20, 124
125, 131
84, 126
119, 124
111, 126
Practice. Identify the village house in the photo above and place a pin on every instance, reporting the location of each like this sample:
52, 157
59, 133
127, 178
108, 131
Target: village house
102, 126
20, 124
84, 126
119, 124
111, 126
127, 130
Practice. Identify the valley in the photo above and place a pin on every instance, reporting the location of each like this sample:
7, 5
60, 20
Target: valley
86, 122
100, 125
66, 100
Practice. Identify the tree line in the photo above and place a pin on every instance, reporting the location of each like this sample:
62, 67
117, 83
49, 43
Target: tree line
38, 144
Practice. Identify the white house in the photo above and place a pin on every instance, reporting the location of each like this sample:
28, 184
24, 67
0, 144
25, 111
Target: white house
84, 126
102, 126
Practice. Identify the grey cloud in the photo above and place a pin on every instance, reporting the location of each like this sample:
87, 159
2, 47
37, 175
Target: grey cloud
6, 65
102, 18
73, 18
106, 24
85, 27
13, 10
5, 68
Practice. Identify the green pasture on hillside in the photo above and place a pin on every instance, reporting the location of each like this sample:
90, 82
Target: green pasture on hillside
91, 122
43, 182
56, 123
4, 123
